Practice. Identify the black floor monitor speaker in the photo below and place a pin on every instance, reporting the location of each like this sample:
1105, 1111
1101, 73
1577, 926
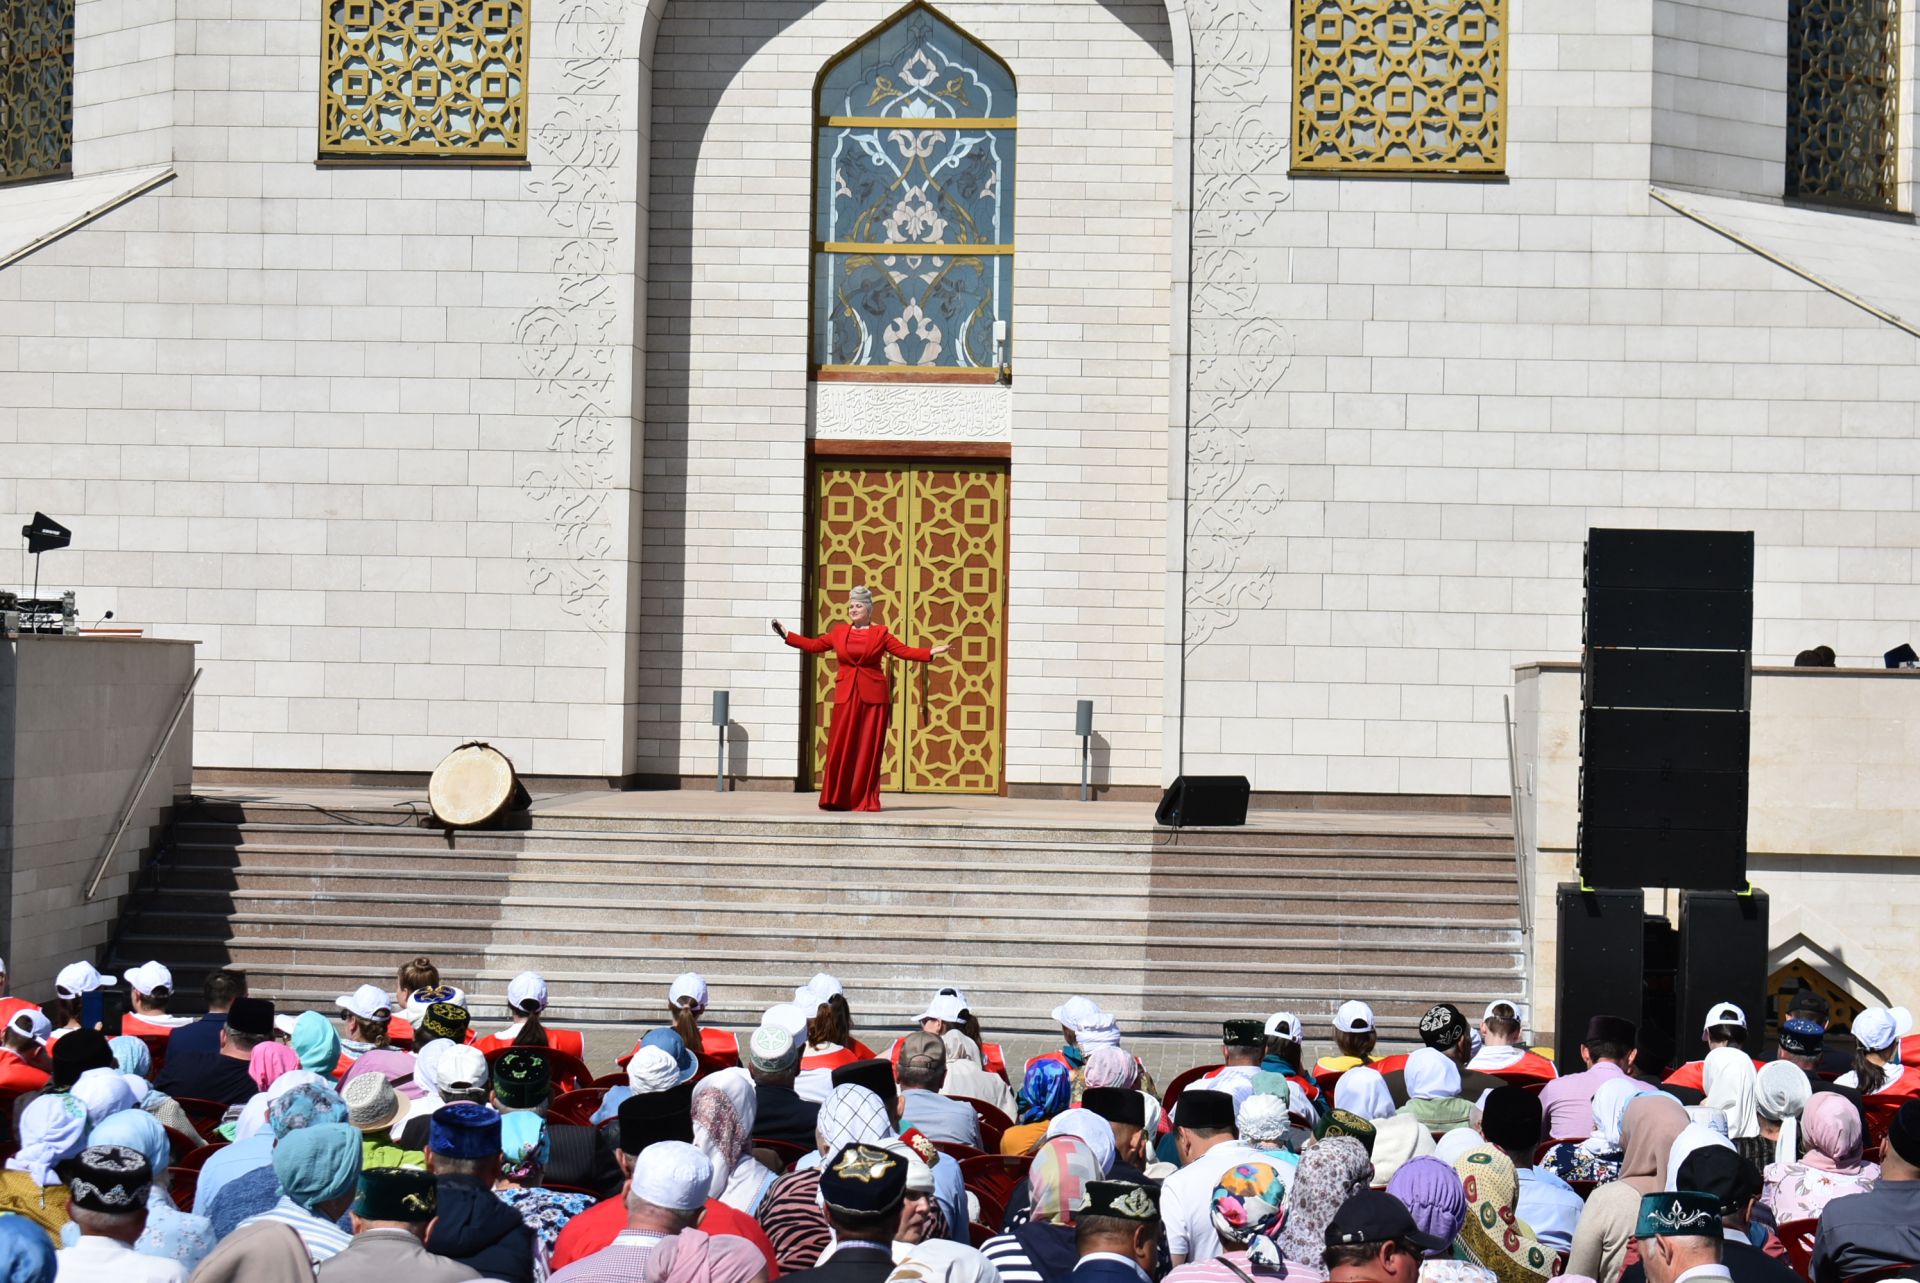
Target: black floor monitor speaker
1723, 958
1602, 957
1204, 800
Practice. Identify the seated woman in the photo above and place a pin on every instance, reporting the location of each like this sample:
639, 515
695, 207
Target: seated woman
1598, 1157
1829, 1167
52, 1130
1249, 1207
1433, 1091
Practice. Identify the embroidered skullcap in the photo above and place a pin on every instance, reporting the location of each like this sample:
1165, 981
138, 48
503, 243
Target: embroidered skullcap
1686, 1213
773, 1050
1803, 1037
403, 1194
1443, 1026
1122, 1200
521, 1078
447, 1020
110, 1178
1347, 1123
863, 1181
464, 1130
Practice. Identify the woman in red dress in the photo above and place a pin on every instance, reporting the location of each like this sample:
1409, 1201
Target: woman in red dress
862, 704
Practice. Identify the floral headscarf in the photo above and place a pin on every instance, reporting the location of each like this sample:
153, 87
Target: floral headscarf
1494, 1235
525, 1145
1047, 1090
132, 1055
1331, 1171
1249, 1208
723, 1114
1058, 1179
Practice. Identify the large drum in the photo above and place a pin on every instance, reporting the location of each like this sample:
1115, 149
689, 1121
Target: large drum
472, 786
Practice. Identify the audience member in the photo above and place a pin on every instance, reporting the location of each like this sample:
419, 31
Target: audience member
1117, 1234
687, 999
968, 1076
1829, 1164
367, 1014
667, 1194
1503, 1048
391, 1215
1331, 1172
524, 1150
694, 1256
921, 1075
51, 1130
169, 1234
1433, 1091
921, 1236
1680, 1236
108, 1202
1494, 1235
1726, 1177
24, 1063
723, 1117
1043, 1249
473, 1227
1045, 1091
862, 1190
1608, 1051
26, 1255
1354, 1038
149, 992
1726, 1027
1601, 1241
1597, 1158
1249, 1207
527, 999
1781, 1091
1510, 1120
223, 1075
1372, 1238
579, 1156
220, 988
1877, 1070
773, 1058
319, 1170
1209, 1145
1880, 1227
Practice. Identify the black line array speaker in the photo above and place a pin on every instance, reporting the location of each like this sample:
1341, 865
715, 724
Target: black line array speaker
1723, 958
1602, 956
1665, 684
1206, 800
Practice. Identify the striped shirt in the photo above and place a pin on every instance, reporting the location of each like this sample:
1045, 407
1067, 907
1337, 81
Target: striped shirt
1009, 1259
324, 1239
794, 1223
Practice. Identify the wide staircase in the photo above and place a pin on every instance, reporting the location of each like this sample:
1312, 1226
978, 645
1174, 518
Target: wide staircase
1171, 932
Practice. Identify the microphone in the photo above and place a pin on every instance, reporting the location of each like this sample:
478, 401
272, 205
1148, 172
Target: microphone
103, 619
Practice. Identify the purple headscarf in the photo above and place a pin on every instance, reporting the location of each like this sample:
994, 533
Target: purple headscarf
1433, 1193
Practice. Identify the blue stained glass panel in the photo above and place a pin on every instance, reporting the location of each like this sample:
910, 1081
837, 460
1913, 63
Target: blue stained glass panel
904, 310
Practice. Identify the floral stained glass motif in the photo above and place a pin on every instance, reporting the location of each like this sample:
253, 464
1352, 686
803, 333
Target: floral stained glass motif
913, 202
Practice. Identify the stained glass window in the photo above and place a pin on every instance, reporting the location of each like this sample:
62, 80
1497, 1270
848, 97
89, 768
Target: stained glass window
913, 204
1392, 85
419, 79
1843, 101
36, 89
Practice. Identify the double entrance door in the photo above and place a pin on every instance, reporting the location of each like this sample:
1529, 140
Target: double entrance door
930, 541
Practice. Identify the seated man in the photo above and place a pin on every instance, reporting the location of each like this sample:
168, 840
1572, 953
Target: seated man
390, 1218
109, 1205
922, 1072
222, 1075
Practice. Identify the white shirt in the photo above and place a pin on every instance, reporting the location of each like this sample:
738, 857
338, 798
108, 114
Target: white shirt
1186, 1199
967, 1264
95, 1259
1549, 1205
1705, 1272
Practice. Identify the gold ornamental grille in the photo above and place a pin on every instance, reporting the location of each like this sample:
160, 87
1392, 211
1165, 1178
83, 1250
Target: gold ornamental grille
36, 89
1388, 86
424, 78
1843, 101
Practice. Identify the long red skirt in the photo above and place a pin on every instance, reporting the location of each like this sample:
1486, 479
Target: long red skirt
856, 742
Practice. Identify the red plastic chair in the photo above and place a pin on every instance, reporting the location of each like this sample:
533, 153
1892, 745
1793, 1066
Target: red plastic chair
961, 1153
577, 1106
1171, 1096
195, 1159
206, 1115
992, 1178
156, 1051
785, 1150
980, 1233
182, 1143
993, 1123
182, 1184
1797, 1237
568, 1074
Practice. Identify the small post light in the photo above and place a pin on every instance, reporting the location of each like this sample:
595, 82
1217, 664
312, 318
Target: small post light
720, 753
1083, 727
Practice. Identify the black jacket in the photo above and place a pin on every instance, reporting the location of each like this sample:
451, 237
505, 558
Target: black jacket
854, 1265
780, 1114
583, 1157
204, 1075
482, 1233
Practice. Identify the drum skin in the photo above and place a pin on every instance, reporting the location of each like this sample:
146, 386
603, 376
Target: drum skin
471, 785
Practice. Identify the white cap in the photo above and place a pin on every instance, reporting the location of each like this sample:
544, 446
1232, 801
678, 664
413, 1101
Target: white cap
528, 986
1502, 1009
1353, 1018
1726, 1014
813, 995
1878, 1028
944, 1007
951, 992
1284, 1024
788, 1016
369, 1002
672, 1174
692, 985
30, 1022
78, 978
1075, 1011
149, 977
461, 1067
284, 1021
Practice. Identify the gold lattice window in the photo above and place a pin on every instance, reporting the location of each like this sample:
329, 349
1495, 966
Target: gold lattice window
1400, 85
424, 79
36, 89
1843, 101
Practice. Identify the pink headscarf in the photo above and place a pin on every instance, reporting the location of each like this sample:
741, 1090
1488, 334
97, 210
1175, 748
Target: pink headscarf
269, 1061
692, 1256
1830, 1133
1111, 1067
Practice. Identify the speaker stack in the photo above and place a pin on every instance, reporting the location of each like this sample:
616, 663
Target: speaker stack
1665, 729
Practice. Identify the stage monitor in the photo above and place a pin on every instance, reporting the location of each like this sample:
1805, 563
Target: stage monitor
1601, 958
1206, 801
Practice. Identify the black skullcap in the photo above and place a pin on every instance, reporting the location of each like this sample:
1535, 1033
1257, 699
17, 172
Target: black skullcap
1803, 1037
1810, 1002
1202, 1109
656, 1116
75, 1053
1443, 1026
447, 1020
1612, 1029
521, 1078
402, 1194
1726, 1174
251, 1016
863, 1181
875, 1075
1243, 1033
1903, 1133
1511, 1117
110, 1178
1123, 1200
1116, 1104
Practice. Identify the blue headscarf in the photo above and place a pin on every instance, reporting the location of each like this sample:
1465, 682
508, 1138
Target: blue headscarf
139, 1131
132, 1055
1047, 1090
308, 1105
319, 1163
26, 1255
316, 1042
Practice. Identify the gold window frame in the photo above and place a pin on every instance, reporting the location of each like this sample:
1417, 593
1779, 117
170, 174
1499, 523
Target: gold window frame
36, 89
1844, 87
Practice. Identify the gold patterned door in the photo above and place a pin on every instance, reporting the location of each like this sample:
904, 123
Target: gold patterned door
930, 541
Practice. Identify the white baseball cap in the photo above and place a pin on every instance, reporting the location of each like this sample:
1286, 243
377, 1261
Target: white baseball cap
1075, 1012
672, 1174
787, 1016
461, 1067
814, 994
944, 1007
149, 977
369, 1002
692, 985
1501, 1009
30, 1022
1726, 1014
1878, 1028
1353, 1018
78, 978
952, 992
528, 986
1284, 1024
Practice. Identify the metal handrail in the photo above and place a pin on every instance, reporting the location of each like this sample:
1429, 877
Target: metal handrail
1523, 868
146, 777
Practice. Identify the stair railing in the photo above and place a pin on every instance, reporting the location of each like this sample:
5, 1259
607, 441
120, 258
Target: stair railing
146, 777
1522, 866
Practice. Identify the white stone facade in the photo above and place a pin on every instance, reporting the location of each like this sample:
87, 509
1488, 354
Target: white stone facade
1301, 465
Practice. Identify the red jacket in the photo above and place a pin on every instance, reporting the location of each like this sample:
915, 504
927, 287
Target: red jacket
18, 1076
1693, 1075
600, 1224
861, 675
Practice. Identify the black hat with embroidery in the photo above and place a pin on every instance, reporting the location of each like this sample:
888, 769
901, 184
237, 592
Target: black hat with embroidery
1803, 1037
1443, 1026
403, 1194
447, 1020
1243, 1033
863, 1181
1123, 1200
521, 1078
110, 1178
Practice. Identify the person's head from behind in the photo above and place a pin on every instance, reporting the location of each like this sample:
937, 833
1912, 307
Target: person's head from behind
667, 1191
1249, 1205
221, 987
1353, 1030
107, 1195
651, 1118
1802, 1041
522, 1079
462, 1075
319, 1167
1726, 1027
1808, 1004
1119, 1217
923, 1062
396, 1198
1500, 1025
417, 973
1373, 1237
1678, 1231
1510, 1119
249, 1023
527, 999
1202, 1119
26, 1033
1726, 1175
1284, 1032
1242, 1042
1126, 1112
367, 1015
1609, 1039
149, 988
773, 1057
1443, 1027
1900, 1156
464, 1140
863, 1188
877, 1077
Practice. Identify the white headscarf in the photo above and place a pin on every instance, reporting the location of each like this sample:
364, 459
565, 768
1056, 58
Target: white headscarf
1089, 1127
1429, 1075
52, 1130
105, 1093
1098, 1030
1263, 1117
852, 1115
960, 1048
1727, 1081
1457, 1144
253, 1118
1610, 1113
1363, 1093
1781, 1092
426, 1061
652, 1069
738, 1176
1396, 1139
1693, 1137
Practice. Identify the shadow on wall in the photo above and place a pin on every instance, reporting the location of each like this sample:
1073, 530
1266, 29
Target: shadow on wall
698, 54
